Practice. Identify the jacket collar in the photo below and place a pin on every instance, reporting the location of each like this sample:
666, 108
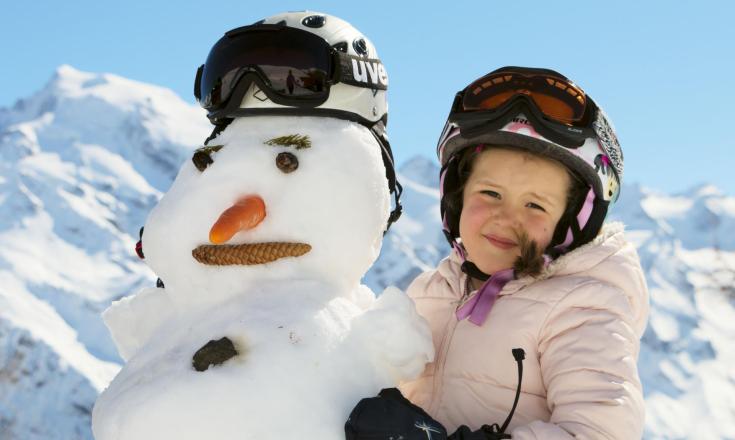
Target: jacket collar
610, 240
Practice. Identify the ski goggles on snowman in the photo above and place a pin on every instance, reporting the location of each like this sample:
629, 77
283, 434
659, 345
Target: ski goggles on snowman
292, 67
561, 111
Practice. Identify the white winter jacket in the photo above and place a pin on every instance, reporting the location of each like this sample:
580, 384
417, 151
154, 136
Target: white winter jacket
580, 324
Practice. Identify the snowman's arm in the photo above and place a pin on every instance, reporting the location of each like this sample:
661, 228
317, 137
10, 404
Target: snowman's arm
132, 320
363, 297
397, 337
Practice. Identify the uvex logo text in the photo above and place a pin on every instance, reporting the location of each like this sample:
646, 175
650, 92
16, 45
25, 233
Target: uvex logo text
369, 72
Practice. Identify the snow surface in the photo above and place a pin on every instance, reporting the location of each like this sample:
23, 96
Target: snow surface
60, 268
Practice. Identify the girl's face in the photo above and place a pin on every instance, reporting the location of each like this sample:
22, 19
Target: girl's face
510, 191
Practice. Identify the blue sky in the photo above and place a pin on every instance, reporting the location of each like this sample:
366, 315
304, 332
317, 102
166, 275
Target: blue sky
662, 70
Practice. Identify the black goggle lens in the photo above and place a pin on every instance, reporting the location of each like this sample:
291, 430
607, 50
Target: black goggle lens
292, 62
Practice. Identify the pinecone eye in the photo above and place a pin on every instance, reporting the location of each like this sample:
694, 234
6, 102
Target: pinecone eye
201, 160
203, 156
287, 162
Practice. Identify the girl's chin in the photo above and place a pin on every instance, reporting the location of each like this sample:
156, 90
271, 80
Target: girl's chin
496, 266
492, 259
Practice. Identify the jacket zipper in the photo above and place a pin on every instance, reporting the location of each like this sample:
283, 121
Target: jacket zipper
466, 295
452, 323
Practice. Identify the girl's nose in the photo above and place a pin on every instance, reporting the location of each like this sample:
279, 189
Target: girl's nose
506, 215
245, 214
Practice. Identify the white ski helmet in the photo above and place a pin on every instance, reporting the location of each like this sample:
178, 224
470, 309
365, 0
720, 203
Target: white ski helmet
239, 77
298, 64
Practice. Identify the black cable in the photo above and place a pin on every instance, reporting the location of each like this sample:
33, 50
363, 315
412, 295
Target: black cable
519, 355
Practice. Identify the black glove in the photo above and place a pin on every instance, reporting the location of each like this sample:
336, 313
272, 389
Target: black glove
487, 432
390, 415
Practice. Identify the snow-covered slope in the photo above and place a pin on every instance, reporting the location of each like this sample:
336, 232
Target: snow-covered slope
687, 363
81, 164
85, 159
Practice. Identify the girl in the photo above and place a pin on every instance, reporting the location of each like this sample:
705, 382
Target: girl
530, 166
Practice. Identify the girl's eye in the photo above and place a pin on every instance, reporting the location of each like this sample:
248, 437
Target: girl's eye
287, 162
491, 193
535, 206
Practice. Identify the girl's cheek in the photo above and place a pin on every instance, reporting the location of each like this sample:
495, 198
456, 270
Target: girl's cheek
540, 230
474, 213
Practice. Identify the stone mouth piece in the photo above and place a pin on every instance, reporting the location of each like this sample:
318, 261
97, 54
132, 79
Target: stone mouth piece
247, 254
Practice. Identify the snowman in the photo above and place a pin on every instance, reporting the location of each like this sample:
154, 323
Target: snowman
260, 328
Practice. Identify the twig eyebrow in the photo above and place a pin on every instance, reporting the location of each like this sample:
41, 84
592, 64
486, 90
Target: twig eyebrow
298, 141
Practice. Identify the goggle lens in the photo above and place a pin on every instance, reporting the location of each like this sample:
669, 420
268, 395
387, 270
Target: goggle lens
293, 63
557, 98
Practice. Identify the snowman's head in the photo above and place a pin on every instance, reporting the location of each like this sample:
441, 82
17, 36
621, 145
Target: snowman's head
282, 198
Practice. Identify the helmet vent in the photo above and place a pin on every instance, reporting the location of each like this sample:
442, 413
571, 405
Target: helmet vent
360, 46
341, 46
314, 21
281, 23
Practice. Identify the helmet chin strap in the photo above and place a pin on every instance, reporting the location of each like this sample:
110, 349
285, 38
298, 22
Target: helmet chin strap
582, 218
473, 271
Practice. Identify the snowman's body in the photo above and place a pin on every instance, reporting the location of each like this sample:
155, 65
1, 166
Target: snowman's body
310, 340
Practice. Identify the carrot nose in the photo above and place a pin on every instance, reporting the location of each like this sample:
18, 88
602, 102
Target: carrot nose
245, 214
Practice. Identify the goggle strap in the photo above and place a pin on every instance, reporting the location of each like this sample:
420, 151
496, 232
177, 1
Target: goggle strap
363, 72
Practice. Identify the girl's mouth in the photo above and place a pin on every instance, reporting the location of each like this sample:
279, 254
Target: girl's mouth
502, 243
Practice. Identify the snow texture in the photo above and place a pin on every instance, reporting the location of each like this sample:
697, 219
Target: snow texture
85, 160
304, 347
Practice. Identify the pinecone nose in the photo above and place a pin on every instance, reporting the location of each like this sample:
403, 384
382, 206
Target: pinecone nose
245, 214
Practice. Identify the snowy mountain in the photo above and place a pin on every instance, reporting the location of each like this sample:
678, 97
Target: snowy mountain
83, 161
86, 158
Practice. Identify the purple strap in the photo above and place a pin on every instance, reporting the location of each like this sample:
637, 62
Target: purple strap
478, 307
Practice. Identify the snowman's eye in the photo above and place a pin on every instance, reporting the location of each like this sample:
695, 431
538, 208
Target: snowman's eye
287, 162
202, 156
201, 160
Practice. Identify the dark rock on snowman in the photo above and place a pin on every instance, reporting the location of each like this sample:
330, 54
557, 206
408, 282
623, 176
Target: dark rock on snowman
263, 330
